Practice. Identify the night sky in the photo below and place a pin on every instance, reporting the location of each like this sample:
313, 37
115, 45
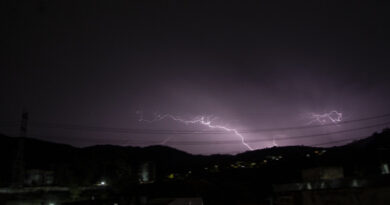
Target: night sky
247, 65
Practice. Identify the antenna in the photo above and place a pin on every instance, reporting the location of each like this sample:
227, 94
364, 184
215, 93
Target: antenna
18, 169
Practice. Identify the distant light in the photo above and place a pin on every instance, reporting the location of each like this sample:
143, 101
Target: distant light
355, 183
52, 203
102, 183
308, 186
385, 168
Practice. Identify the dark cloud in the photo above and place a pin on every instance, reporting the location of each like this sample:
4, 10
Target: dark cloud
252, 64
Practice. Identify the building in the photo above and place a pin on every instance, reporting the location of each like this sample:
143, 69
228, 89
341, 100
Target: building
327, 185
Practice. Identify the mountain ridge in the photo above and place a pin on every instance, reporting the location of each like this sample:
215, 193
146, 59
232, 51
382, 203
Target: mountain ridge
91, 163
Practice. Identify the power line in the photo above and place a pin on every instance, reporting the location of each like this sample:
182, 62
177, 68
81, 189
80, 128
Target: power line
318, 144
336, 141
326, 125
9, 123
235, 141
336, 132
271, 139
162, 131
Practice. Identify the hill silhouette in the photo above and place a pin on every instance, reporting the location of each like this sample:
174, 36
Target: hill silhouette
84, 166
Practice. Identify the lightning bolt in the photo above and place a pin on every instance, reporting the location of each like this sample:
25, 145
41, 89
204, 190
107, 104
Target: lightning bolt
202, 120
165, 140
274, 142
330, 117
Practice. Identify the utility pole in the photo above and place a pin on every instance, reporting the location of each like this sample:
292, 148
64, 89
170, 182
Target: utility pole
18, 169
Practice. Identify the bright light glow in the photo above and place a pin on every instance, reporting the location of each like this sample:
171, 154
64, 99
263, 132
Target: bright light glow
102, 183
326, 118
202, 120
385, 168
274, 144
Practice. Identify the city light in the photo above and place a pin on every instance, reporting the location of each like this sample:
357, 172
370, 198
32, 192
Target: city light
102, 183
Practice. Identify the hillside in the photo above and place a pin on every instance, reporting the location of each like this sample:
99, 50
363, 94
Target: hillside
85, 165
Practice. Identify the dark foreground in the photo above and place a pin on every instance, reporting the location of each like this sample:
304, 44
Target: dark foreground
51, 174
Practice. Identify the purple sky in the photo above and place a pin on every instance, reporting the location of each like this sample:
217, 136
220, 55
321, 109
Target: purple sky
252, 65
